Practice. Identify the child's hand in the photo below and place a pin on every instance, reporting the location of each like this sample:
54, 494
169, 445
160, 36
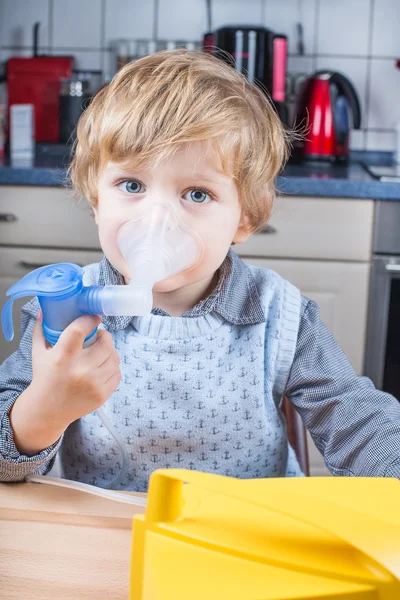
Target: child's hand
68, 382
72, 381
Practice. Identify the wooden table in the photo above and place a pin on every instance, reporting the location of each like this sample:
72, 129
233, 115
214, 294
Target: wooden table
59, 544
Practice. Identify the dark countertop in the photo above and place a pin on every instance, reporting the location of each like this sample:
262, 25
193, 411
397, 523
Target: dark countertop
307, 179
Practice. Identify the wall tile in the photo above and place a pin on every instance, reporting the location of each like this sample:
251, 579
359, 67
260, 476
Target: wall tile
17, 18
353, 68
381, 140
343, 27
300, 64
131, 19
384, 94
77, 24
182, 20
7, 53
298, 68
282, 16
236, 12
84, 59
385, 30
357, 139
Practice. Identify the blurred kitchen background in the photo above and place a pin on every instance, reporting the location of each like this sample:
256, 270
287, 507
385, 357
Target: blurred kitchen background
356, 37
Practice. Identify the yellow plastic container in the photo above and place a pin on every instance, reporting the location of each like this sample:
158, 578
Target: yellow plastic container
210, 537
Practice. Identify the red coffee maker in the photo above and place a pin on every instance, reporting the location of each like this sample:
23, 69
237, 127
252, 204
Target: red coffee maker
37, 81
328, 108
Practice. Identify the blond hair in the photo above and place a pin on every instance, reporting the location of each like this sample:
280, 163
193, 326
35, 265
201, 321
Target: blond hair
158, 103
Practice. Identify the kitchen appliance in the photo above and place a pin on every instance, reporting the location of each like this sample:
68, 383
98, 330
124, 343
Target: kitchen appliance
292, 538
258, 53
75, 95
382, 354
328, 107
36, 81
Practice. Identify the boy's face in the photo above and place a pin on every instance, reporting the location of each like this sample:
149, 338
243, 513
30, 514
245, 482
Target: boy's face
204, 198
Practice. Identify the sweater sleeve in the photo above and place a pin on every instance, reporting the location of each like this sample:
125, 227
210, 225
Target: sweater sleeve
355, 426
15, 377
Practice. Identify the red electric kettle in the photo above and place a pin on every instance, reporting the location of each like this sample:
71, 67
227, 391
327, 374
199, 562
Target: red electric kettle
328, 107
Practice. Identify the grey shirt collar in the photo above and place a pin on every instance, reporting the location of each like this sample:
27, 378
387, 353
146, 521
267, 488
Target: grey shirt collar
235, 297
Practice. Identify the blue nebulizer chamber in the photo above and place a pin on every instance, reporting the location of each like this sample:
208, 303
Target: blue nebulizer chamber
63, 298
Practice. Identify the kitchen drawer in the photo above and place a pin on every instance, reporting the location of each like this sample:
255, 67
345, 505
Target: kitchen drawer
47, 217
17, 262
315, 228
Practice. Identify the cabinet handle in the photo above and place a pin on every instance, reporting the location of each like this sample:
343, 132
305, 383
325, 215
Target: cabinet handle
30, 265
7, 218
392, 268
269, 229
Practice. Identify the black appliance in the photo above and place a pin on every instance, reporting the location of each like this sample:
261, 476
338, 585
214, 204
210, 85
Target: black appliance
258, 53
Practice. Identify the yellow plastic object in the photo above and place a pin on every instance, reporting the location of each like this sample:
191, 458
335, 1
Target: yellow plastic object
216, 537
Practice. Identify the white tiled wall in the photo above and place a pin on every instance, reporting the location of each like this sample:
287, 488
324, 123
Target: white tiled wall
357, 37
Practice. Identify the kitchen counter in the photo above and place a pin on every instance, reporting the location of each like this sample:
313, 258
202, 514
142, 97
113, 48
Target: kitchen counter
335, 181
308, 179
62, 543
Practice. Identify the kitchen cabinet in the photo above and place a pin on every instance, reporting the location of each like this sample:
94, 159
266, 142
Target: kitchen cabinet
45, 217
315, 228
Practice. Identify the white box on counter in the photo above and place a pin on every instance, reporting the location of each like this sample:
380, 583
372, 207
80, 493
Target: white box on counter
22, 130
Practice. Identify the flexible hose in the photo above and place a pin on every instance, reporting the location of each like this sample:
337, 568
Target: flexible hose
89, 489
124, 453
114, 433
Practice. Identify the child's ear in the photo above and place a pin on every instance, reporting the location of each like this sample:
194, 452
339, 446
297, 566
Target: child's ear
244, 230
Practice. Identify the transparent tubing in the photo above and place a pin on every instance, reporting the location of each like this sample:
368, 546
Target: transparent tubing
89, 489
122, 446
114, 433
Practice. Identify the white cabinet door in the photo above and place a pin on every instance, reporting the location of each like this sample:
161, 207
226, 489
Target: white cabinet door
341, 291
15, 263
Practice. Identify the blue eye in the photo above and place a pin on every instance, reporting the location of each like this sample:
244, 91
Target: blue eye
131, 186
198, 196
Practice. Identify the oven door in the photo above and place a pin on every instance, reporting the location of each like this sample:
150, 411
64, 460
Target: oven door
382, 356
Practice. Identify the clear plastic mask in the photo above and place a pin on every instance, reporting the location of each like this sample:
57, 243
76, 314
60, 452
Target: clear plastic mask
158, 245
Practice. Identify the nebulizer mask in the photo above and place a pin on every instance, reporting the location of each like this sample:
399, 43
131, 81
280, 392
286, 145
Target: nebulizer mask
155, 245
